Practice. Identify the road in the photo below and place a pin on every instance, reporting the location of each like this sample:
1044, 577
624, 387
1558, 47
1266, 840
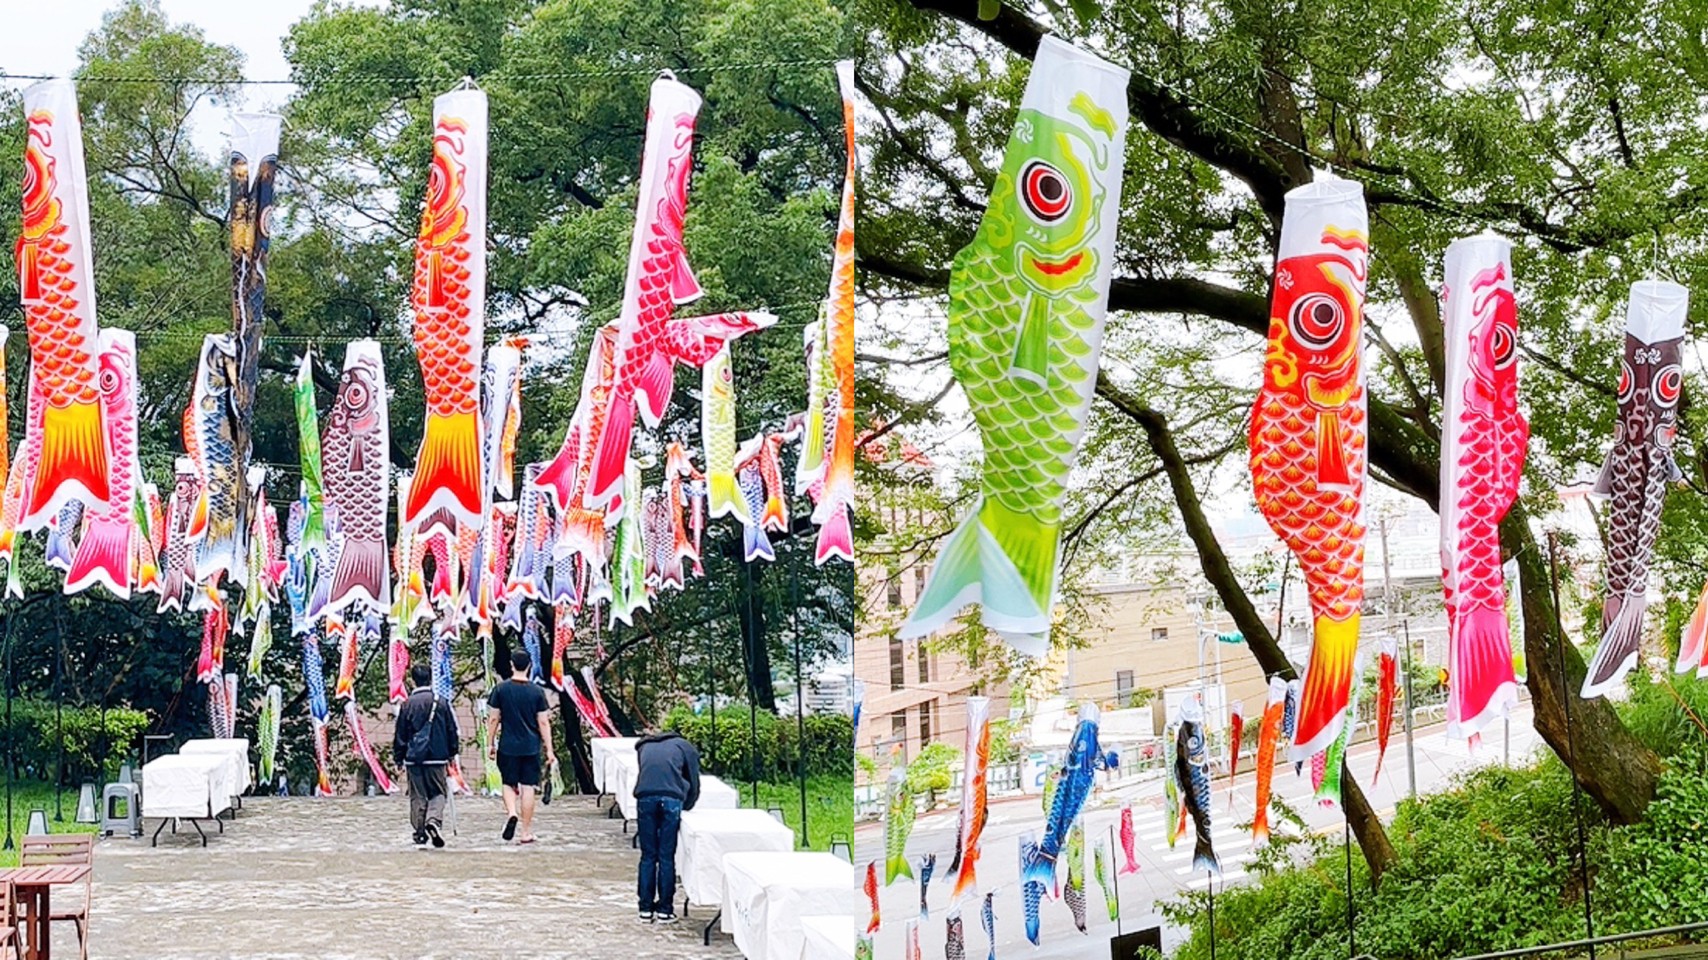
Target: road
1164, 873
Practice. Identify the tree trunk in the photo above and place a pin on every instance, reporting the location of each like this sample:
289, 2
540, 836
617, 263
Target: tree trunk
1366, 826
756, 655
1609, 763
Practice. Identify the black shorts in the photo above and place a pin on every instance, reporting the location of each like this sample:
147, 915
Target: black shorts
519, 770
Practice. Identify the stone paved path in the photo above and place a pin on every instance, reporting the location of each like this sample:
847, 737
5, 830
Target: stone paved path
297, 877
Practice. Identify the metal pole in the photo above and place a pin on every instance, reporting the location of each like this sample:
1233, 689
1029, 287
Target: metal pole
752, 685
800, 695
1411, 757
1210, 887
59, 722
1388, 628
1351, 927
11, 742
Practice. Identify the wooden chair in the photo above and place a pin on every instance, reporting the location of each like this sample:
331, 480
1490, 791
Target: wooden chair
65, 849
10, 933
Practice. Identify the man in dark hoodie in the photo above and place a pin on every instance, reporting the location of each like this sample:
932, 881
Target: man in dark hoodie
667, 783
426, 741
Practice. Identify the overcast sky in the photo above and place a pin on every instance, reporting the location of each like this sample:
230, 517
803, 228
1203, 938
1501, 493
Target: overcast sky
43, 38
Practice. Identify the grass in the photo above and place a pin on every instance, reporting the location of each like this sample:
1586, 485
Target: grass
830, 806
29, 795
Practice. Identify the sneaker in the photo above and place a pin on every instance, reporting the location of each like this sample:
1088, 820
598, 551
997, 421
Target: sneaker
420, 837
646, 916
510, 829
664, 918
432, 832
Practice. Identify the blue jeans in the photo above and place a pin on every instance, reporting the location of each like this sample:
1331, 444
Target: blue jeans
657, 820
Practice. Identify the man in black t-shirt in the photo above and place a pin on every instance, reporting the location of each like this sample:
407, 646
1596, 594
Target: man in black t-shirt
518, 722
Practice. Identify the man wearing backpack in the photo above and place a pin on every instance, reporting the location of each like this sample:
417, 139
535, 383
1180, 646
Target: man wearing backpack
426, 741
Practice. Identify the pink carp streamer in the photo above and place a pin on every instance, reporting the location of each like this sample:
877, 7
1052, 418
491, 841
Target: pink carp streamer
1482, 459
364, 749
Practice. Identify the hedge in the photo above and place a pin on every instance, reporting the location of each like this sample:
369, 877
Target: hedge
829, 743
32, 733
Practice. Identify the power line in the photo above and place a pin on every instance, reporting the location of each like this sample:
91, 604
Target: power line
308, 80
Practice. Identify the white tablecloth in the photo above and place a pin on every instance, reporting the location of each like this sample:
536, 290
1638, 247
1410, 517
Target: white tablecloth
714, 793
604, 748
827, 937
717, 795
767, 894
235, 748
185, 785
708, 834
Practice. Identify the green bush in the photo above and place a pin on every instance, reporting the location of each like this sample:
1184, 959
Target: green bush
730, 750
1491, 864
34, 738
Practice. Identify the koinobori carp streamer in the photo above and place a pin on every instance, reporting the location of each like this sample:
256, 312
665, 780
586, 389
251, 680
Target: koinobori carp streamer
1027, 300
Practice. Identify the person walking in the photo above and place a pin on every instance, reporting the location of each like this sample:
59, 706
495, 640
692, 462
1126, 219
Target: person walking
518, 724
667, 783
427, 740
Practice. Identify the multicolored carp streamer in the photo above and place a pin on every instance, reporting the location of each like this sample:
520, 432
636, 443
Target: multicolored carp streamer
308, 440
216, 623
1192, 772
975, 783
750, 478
62, 536
649, 342
987, 919
149, 537
1693, 643
1308, 433
357, 448
1483, 439
871, 888
836, 537
927, 866
1073, 892
251, 169
1386, 688
1025, 330
449, 299
260, 640
105, 553
910, 941
344, 635
322, 783
267, 732
1031, 890
717, 436
64, 454
682, 482
1334, 758
1172, 811
1236, 728
364, 749
211, 443
1639, 468
898, 822
1100, 860
1128, 837
955, 936
1268, 735
628, 579
1084, 758
222, 706
568, 474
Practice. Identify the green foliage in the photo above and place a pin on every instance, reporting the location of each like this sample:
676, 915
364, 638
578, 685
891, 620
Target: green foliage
732, 747
830, 806
929, 772
36, 732
30, 795
1491, 864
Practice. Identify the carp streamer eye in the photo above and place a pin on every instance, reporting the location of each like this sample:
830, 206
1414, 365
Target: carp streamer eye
1504, 346
109, 382
1045, 192
1667, 386
1625, 381
356, 395
1317, 321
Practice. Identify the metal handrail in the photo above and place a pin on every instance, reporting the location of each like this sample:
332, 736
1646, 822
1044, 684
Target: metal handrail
1587, 942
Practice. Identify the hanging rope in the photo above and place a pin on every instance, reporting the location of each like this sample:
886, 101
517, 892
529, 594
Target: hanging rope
499, 77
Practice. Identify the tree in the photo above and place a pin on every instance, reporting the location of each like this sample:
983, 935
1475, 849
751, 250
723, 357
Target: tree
1576, 150
568, 84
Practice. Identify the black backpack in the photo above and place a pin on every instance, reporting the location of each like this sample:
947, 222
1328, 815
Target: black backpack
422, 742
